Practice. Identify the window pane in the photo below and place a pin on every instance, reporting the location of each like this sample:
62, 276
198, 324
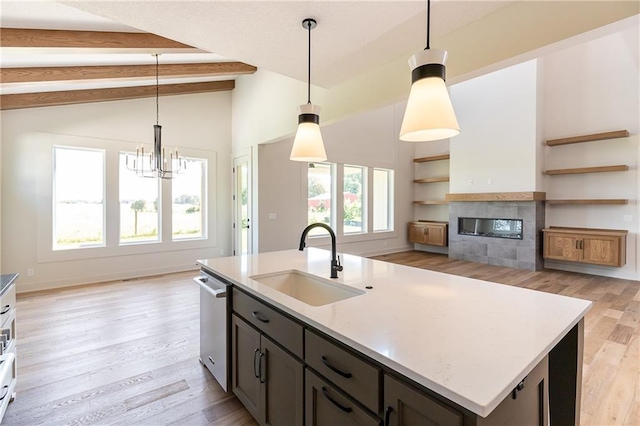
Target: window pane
354, 206
319, 195
139, 204
78, 198
382, 200
188, 198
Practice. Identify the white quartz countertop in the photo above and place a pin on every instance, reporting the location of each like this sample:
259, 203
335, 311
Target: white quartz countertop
468, 340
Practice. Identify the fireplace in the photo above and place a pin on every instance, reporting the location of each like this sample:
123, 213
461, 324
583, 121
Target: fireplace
502, 233
493, 228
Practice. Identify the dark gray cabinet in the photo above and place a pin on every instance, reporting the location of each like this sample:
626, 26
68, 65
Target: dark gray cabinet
265, 378
326, 406
245, 349
405, 406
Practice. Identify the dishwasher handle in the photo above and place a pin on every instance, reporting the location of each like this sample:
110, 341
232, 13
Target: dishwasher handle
209, 285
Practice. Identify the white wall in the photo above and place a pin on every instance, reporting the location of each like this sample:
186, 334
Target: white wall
196, 122
496, 149
369, 139
594, 88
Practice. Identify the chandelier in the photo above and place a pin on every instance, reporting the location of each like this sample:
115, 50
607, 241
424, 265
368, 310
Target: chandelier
156, 163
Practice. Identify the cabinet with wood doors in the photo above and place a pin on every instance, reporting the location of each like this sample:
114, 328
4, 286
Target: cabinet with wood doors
266, 378
429, 232
605, 247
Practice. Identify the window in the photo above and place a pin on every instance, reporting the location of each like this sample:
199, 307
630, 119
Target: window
78, 198
367, 199
354, 206
188, 191
382, 200
320, 194
139, 202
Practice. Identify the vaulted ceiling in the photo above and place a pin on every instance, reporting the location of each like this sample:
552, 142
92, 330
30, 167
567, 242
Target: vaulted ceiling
102, 50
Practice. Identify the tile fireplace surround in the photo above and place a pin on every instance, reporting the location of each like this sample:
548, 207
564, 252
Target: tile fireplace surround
514, 253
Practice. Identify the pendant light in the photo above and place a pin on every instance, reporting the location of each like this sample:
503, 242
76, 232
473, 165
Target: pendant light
156, 164
429, 115
308, 145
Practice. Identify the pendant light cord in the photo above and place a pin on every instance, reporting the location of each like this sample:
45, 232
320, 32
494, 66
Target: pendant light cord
157, 93
428, 24
309, 67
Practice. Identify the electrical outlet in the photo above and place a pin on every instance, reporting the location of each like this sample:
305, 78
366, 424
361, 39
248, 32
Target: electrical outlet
489, 181
30, 272
470, 181
627, 218
273, 216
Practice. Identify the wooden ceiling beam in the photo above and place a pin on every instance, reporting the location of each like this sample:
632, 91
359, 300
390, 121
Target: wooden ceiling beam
42, 99
19, 37
37, 74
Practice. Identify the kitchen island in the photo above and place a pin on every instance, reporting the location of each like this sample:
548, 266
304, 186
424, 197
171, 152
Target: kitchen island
468, 344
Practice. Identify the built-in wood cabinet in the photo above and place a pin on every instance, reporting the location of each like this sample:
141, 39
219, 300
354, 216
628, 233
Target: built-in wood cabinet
430, 233
595, 246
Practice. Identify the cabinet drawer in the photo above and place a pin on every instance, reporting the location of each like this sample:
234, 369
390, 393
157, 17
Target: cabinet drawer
7, 380
352, 374
7, 304
324, 405
280, 328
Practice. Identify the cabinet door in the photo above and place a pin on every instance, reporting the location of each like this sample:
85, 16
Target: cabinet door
282, 385
601, 250
436, 235
245, 351
324, 405
417, 233
561, 246
406, 406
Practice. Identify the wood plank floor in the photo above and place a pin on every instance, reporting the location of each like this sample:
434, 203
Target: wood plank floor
118, 353
127, 352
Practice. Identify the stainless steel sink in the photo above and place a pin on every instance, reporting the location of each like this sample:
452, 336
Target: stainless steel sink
307, 288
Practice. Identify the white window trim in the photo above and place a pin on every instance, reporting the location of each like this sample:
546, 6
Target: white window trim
338, 223
44, 142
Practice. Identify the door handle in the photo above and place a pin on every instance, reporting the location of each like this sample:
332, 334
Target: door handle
255, 370
326, 362
387, 416
259, 317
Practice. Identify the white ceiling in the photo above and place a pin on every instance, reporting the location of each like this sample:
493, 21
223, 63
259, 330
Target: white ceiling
351, 37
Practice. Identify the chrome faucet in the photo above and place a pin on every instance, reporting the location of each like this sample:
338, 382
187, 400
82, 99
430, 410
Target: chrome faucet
335, 260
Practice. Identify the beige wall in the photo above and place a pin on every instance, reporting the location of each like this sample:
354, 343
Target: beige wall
368, 139
497, 112
195, 123
595, 88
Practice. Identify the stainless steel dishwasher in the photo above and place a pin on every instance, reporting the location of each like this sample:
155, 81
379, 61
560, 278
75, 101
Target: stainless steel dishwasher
214, 317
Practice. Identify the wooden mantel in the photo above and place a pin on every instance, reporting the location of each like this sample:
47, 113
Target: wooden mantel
498, 196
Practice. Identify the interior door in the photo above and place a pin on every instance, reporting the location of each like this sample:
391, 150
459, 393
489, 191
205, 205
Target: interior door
242, 205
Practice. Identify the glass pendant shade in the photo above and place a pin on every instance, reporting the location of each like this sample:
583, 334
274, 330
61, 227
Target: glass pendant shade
429, 115
308, 145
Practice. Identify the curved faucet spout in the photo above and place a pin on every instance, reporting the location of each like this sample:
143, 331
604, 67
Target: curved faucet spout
335, 260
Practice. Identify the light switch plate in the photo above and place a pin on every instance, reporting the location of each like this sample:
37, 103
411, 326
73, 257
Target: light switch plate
273, 216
